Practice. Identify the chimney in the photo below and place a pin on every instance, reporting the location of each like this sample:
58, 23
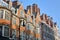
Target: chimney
10, 3
14, 3
41, 17
51, 24
7, 1
25, 11
50, 18
55, 24
47, 21
38, 10
4, 0
29, 8
44, 16
34, 8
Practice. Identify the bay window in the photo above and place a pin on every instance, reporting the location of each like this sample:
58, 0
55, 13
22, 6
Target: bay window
4, 30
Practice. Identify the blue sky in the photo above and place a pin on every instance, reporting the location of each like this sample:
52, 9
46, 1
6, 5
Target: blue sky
50, 7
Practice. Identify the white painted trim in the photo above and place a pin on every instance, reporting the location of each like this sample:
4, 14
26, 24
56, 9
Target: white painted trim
2, 30
4, 15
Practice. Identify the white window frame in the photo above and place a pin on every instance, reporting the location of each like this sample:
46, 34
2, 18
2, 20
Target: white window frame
4, 29
21, 14
14, 34
14, 20
7, 14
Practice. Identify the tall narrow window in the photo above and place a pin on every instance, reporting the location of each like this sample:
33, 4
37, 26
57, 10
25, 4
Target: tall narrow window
14, 34
14, 20
28, 18
7, 15
23, 23
1, 13
6, 31
0, 30
21, 14
28, 27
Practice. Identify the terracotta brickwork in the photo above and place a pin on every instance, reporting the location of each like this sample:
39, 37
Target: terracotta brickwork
24, 19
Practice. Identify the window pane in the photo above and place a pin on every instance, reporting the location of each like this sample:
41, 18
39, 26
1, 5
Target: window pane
14, 34
1, 30
1, 13
6, 31
28, 18
22, 23
22, 35
7, 15
21, 14
14, 20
